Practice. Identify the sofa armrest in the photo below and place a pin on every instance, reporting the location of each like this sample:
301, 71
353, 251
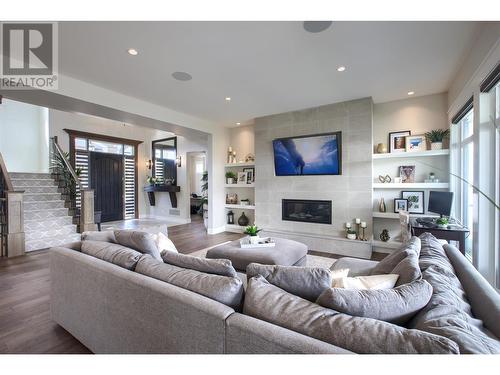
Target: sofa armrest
357, 267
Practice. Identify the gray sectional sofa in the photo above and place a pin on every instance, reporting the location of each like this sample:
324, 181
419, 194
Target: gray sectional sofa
121, 304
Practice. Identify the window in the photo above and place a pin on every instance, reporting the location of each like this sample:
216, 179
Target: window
107, 147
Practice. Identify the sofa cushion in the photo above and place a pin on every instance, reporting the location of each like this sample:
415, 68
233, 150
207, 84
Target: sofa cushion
449, 314
305, 282
221, 267
141, 241
387, 264
224, 289
432, 254
408, 269
366, 282
361, 335
106, 236
113, 253
396, 305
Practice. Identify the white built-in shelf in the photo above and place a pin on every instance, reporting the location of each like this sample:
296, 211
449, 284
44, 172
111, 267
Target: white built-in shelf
234, 228
392, 215
232, 165
415, 154
241, 206
387, 245
239, 185
415, 185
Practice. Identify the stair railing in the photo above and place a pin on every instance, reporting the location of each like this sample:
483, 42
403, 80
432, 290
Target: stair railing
61, 166
12, 240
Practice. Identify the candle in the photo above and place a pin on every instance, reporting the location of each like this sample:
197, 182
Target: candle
363, 224
347, 225
358, 221
230, 149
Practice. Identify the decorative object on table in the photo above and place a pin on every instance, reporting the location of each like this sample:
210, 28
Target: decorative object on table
400, 205
149, 164
250, 174
230, 155
243, 220
178, 161
404, 221
253, 232
397, 180
432, 179
351, 234
232, 198
242, 177
397, 141
234, 157
245, 202
407, 174
169, 181
250, 158
415, 201
363, 227
151, 180
230, 217
230, 177
442, 222
358, 223
381, 148
384, 236
245, 242
381, 206
384, 179
415, 143
436, 137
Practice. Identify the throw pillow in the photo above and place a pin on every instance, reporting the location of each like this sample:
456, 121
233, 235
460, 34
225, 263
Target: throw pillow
338, 274
387, 264
105, 236
408, 270
141, 241
164, 243
367, 282
222, 267
305, 282
113, 253
396, 305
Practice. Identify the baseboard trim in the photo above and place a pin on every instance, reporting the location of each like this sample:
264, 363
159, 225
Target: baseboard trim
173, 219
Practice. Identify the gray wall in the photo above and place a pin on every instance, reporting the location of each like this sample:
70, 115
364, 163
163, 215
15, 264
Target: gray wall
350, 193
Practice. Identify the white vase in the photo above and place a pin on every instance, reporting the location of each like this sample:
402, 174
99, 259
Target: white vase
436, 145
229, 181
351, 236
254, 240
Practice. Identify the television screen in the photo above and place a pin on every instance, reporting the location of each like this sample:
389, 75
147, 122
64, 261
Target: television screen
319, 154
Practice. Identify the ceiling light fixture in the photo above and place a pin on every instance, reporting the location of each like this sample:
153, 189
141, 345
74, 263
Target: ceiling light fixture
132, 51
182, 76
316, 26
228, 99
411, 92
238, 123
341, 68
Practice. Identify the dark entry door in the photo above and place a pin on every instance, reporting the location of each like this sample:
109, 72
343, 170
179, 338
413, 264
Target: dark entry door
106, 178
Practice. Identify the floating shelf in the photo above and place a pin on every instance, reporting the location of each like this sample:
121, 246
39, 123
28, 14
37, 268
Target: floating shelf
239, 185
387, 245
415, 154
240, 206
232, 165
416, 185
392, 215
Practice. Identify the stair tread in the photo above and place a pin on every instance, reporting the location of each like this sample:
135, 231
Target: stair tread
47, 230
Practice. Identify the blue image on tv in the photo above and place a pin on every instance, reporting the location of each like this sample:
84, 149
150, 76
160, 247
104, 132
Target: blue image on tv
311, 155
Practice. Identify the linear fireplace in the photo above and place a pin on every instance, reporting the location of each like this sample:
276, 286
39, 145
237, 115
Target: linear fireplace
308, 211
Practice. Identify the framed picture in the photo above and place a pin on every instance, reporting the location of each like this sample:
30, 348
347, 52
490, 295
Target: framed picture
250, 174
397, 141
415, 143
242, 177
407, 174
415, 201
400, 205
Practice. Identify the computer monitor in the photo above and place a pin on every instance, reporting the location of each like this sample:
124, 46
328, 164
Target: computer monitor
440, 202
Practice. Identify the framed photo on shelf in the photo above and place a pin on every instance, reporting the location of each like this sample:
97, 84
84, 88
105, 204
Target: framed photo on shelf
415, 143
242, 177
397, 141
250, 174
416, 201
407, 174
400, 205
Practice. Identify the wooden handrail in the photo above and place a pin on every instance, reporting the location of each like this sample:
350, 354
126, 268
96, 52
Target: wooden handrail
72, 172
5, 174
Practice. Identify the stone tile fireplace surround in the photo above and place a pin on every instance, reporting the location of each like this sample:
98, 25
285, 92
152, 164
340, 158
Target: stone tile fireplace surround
350, 193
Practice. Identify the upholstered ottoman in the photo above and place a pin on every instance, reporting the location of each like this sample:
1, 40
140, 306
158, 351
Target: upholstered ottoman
285, 253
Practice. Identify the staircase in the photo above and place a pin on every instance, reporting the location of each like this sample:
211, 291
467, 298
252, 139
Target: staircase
47, 220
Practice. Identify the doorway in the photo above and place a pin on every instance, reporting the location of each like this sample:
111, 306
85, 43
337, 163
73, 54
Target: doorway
106, 178
196, 165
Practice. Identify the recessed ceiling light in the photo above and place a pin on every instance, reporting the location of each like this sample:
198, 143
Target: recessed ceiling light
132, 51
238, 123
182, 76
341, 68
228, 99
411, 92
316, 26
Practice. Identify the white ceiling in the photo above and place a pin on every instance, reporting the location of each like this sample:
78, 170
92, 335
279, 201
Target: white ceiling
265, 67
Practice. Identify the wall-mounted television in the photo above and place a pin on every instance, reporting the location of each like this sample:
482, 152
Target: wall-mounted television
319, 154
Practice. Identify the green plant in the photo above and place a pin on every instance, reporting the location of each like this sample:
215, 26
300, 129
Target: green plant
204, 188
230, 175
151, 180
437, 135
59, 166
351, 231
442, 221
252, 230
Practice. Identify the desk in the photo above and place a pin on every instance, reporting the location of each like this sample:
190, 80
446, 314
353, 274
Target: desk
454, 232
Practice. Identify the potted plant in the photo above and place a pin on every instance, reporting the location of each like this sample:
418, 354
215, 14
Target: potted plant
435, 137
151, 180
253, 232
442, 222
230, 177
245, 202
351, 234
204, 200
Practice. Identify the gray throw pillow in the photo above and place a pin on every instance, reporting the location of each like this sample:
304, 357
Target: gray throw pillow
304, 282
386, 265
106, 236
224, 289
221, 267
408, 270
396, 305
360, 335
141, 241
113, 253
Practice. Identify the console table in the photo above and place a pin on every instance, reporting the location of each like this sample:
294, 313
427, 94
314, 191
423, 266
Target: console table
170, 189
453, 232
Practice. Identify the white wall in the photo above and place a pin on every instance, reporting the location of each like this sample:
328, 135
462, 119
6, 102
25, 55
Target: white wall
242, 140
24, 137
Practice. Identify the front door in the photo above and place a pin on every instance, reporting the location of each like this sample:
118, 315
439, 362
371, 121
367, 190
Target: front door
106, 178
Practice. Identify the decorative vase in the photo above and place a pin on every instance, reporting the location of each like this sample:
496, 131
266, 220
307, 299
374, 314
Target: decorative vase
384, 236
351, 236
381, 148
243, 220
381, 206
254, 240
436, 145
